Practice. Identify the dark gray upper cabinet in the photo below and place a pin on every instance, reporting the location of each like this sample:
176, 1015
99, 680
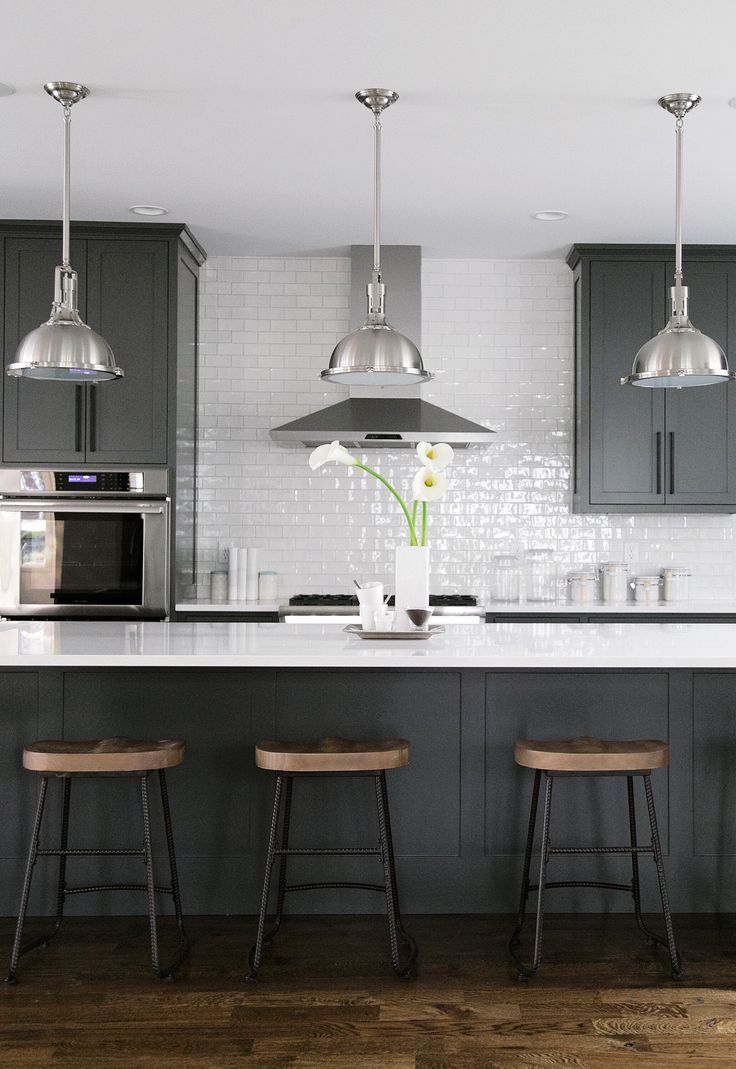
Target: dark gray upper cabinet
129, 291
650, 450
41, 420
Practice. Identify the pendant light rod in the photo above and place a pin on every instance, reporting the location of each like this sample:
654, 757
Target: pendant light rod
377, 196
679, 104
67, 187
679, 183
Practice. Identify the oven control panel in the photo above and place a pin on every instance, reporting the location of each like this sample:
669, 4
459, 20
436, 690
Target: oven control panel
27, 482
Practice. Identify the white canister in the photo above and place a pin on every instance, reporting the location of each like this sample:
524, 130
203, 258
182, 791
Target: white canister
583, 587
614, 581
646, 589
218, 586
676, 584
268, 586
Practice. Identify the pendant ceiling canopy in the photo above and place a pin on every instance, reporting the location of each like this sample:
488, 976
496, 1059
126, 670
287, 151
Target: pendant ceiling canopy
680, 355
376, 354
64, 347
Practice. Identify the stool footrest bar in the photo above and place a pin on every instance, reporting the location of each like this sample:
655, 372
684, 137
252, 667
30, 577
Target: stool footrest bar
96, 852
330, 884
582, 850
115, 887
346, 851
584, 883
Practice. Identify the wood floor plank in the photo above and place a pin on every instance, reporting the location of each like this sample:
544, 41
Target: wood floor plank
327, 998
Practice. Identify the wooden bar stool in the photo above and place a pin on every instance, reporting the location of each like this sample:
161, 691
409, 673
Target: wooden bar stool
333, 757
592, 757
101, 758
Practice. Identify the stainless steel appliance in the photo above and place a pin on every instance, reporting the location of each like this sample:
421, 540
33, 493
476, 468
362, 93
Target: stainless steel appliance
84, 543
340, 608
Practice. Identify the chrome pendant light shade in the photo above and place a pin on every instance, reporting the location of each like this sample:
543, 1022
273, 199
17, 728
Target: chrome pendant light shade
64, 347
680, 355
375, 354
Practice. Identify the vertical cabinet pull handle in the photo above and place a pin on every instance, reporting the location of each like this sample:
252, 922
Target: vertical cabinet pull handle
92, 419
658, 447
672, 462
78, 400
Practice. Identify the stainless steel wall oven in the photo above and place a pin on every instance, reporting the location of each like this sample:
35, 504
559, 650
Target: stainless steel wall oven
84, 543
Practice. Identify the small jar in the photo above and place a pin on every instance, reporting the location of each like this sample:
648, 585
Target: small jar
676, 584
614, 581
646, 589
541, 575
268, 586
583, 587
504, 579
218, 587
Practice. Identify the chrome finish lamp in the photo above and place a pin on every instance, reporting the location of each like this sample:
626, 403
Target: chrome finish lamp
680, 355
376, 354
64, 347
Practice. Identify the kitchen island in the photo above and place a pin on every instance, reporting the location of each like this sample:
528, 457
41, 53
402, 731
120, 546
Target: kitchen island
460, 807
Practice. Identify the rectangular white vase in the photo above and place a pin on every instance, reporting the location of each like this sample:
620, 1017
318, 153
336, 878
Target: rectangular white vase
412, 582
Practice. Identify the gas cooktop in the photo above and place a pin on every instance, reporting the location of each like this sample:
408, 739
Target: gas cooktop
347, 605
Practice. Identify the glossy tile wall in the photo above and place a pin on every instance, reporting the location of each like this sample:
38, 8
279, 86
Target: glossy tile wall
498, 334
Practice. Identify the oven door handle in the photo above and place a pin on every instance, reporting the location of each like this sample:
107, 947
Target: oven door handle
43, 504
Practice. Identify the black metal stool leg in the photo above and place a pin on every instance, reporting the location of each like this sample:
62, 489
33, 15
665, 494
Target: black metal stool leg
150, 882
635, 885
256, 952
30, 864
657, 848
281, 893
406, 966
543, 859
183, 948
524, 895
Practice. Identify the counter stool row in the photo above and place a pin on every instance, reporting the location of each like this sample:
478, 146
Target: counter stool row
290, 761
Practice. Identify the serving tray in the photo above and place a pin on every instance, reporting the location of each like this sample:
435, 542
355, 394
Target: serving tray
433, 629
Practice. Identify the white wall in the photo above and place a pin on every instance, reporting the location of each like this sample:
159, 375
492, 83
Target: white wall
498, 334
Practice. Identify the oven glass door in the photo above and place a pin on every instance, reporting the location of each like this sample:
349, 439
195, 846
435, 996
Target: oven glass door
81, 558
76, 558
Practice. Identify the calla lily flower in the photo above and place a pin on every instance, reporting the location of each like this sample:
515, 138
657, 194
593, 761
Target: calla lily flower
436, 457
331, 453
429, 485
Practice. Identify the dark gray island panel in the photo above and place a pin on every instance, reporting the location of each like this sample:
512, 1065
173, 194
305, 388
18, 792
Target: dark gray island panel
459, 809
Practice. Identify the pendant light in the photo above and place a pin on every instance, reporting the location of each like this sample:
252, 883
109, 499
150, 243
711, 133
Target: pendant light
376, 354
680, 355
64, 347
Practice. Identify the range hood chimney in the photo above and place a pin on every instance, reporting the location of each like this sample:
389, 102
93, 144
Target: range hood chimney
386, 422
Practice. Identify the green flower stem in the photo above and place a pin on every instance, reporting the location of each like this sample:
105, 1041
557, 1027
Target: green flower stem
389, 487
424, 523
414, 508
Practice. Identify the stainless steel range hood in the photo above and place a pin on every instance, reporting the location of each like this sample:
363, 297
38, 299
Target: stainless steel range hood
385, 423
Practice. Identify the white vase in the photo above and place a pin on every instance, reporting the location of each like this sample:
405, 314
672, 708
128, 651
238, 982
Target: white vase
412, 582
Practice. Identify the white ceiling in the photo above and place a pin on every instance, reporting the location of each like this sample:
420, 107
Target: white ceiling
239, 117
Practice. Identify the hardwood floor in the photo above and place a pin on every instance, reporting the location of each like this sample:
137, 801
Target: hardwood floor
326, 998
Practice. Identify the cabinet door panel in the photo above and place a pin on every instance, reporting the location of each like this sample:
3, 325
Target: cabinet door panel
627, 424
701, 420
127, 302
43, 421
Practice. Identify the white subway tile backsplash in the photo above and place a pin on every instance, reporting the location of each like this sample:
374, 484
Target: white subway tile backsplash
498, 334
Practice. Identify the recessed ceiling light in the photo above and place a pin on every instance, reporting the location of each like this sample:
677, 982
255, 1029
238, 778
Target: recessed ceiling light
549, 216
6, 90
148, 209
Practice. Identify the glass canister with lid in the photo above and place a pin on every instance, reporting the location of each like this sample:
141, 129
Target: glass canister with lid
676, 583
646, 589
505, 578
540, 575
583, 586
614, 581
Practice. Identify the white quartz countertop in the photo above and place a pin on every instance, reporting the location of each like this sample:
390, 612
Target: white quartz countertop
116, 644
537, 608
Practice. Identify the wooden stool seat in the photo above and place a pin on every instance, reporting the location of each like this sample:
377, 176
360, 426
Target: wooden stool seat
103, 755
586, 754
332, 755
